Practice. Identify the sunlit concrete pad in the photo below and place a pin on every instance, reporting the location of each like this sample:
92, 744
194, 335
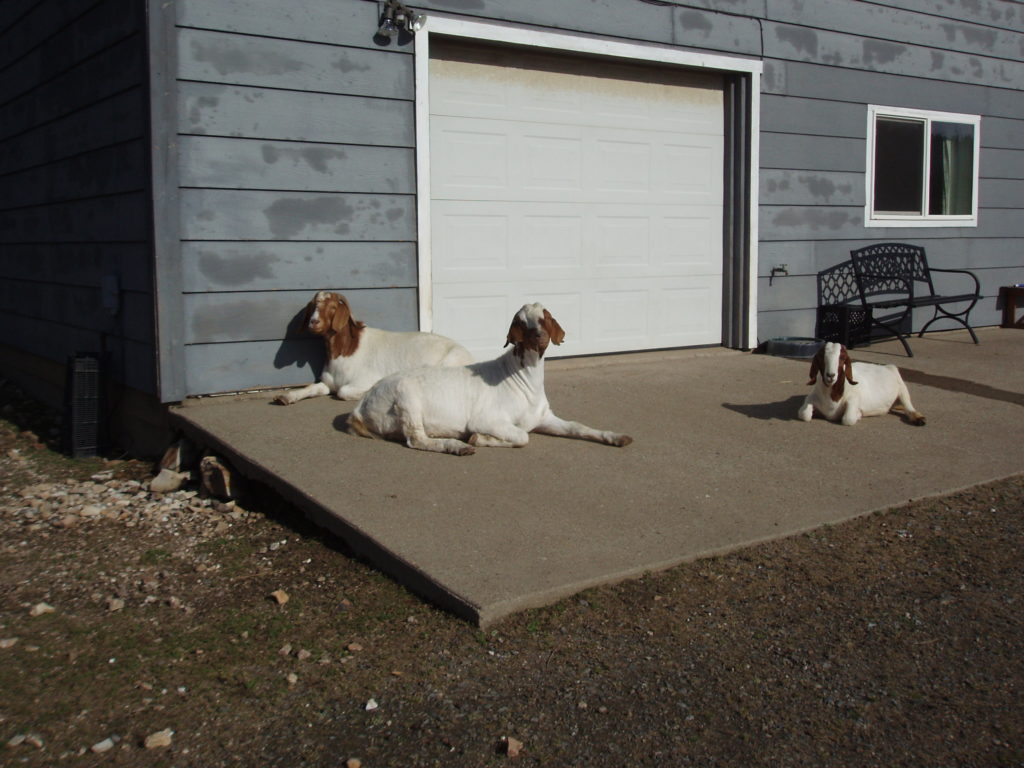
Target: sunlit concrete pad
719, 461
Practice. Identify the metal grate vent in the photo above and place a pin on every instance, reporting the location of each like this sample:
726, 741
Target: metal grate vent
82, 412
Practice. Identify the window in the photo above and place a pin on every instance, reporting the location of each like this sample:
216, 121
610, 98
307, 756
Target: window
922, 168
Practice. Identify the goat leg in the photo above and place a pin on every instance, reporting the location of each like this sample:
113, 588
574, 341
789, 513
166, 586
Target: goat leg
552, 425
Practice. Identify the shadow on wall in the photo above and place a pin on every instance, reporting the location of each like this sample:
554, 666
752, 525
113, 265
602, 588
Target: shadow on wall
784, 410
299, 348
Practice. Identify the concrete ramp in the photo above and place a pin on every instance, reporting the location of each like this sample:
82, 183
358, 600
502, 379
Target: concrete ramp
719, 461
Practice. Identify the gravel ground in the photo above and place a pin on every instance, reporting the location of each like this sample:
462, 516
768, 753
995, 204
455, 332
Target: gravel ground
140, 629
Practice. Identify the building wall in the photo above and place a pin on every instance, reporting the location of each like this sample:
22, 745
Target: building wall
295, 149
74, 170
295, 153
827, 60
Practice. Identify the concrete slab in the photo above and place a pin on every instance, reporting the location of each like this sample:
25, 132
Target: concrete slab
719, 461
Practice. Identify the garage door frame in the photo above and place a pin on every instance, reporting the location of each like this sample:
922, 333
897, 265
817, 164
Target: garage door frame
742, 124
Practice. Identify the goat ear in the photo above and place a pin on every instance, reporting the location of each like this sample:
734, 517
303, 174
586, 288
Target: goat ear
516, 332
340, 313
554, 330
816, 363
847, 366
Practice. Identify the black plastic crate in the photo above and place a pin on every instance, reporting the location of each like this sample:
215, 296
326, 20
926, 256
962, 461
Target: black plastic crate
848, 324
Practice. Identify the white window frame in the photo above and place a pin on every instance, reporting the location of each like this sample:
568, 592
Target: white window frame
924, 219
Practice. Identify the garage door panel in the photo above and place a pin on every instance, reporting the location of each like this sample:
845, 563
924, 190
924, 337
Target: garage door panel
610, 314
552, 242
690, 173
470, 243
593, 166
548, 163
622, 242
478, 159
581, 185
478, 320
488, 240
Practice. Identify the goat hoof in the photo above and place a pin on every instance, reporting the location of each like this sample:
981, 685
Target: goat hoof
623, 441
468, 450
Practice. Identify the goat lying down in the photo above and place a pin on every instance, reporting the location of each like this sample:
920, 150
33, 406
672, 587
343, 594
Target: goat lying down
494, 403
874, 389
359, 356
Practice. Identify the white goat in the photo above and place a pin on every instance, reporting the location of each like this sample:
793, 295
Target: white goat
494, 403
874, 389
359, 356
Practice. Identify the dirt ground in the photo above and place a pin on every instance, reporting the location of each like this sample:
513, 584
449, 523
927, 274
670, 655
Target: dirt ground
893, 640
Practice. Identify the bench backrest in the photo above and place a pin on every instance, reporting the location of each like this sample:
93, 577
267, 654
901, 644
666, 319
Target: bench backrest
882, 270
837, 285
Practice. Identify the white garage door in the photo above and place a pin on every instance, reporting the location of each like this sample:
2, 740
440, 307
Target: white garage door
592, 187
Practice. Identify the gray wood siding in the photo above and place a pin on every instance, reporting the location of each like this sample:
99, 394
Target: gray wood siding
74, 183
824, 63
295, 155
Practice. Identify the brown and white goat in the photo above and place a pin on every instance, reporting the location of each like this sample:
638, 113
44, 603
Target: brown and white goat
495, 403
845, 391
359, 356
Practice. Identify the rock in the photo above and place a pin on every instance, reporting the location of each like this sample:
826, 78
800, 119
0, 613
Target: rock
159, 739
354, 647
285, 650
35, 740
102, 746
371, 704
169, 481
40, 608
353, 762
303, 655
280, 596
91, 510
292, 678
115, 604
8, 642
17, 741
512, 746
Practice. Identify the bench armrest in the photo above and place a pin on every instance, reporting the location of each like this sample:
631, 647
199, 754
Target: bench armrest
977, 285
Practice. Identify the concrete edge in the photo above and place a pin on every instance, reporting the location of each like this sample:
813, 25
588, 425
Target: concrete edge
492, 614
360, 544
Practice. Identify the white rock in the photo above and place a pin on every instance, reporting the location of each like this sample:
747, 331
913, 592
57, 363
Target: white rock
102, 746
40, 608
8, 642
168, 481
371, 704
159, 739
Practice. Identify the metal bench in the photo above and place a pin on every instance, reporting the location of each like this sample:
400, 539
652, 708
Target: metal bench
896, 277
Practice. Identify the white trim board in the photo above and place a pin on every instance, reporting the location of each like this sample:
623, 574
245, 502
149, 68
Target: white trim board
500, 32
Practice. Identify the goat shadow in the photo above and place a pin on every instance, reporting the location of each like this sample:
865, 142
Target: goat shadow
300, 349
784, 410
340, 423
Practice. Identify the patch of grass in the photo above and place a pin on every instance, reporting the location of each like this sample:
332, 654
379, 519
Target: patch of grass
155, 556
